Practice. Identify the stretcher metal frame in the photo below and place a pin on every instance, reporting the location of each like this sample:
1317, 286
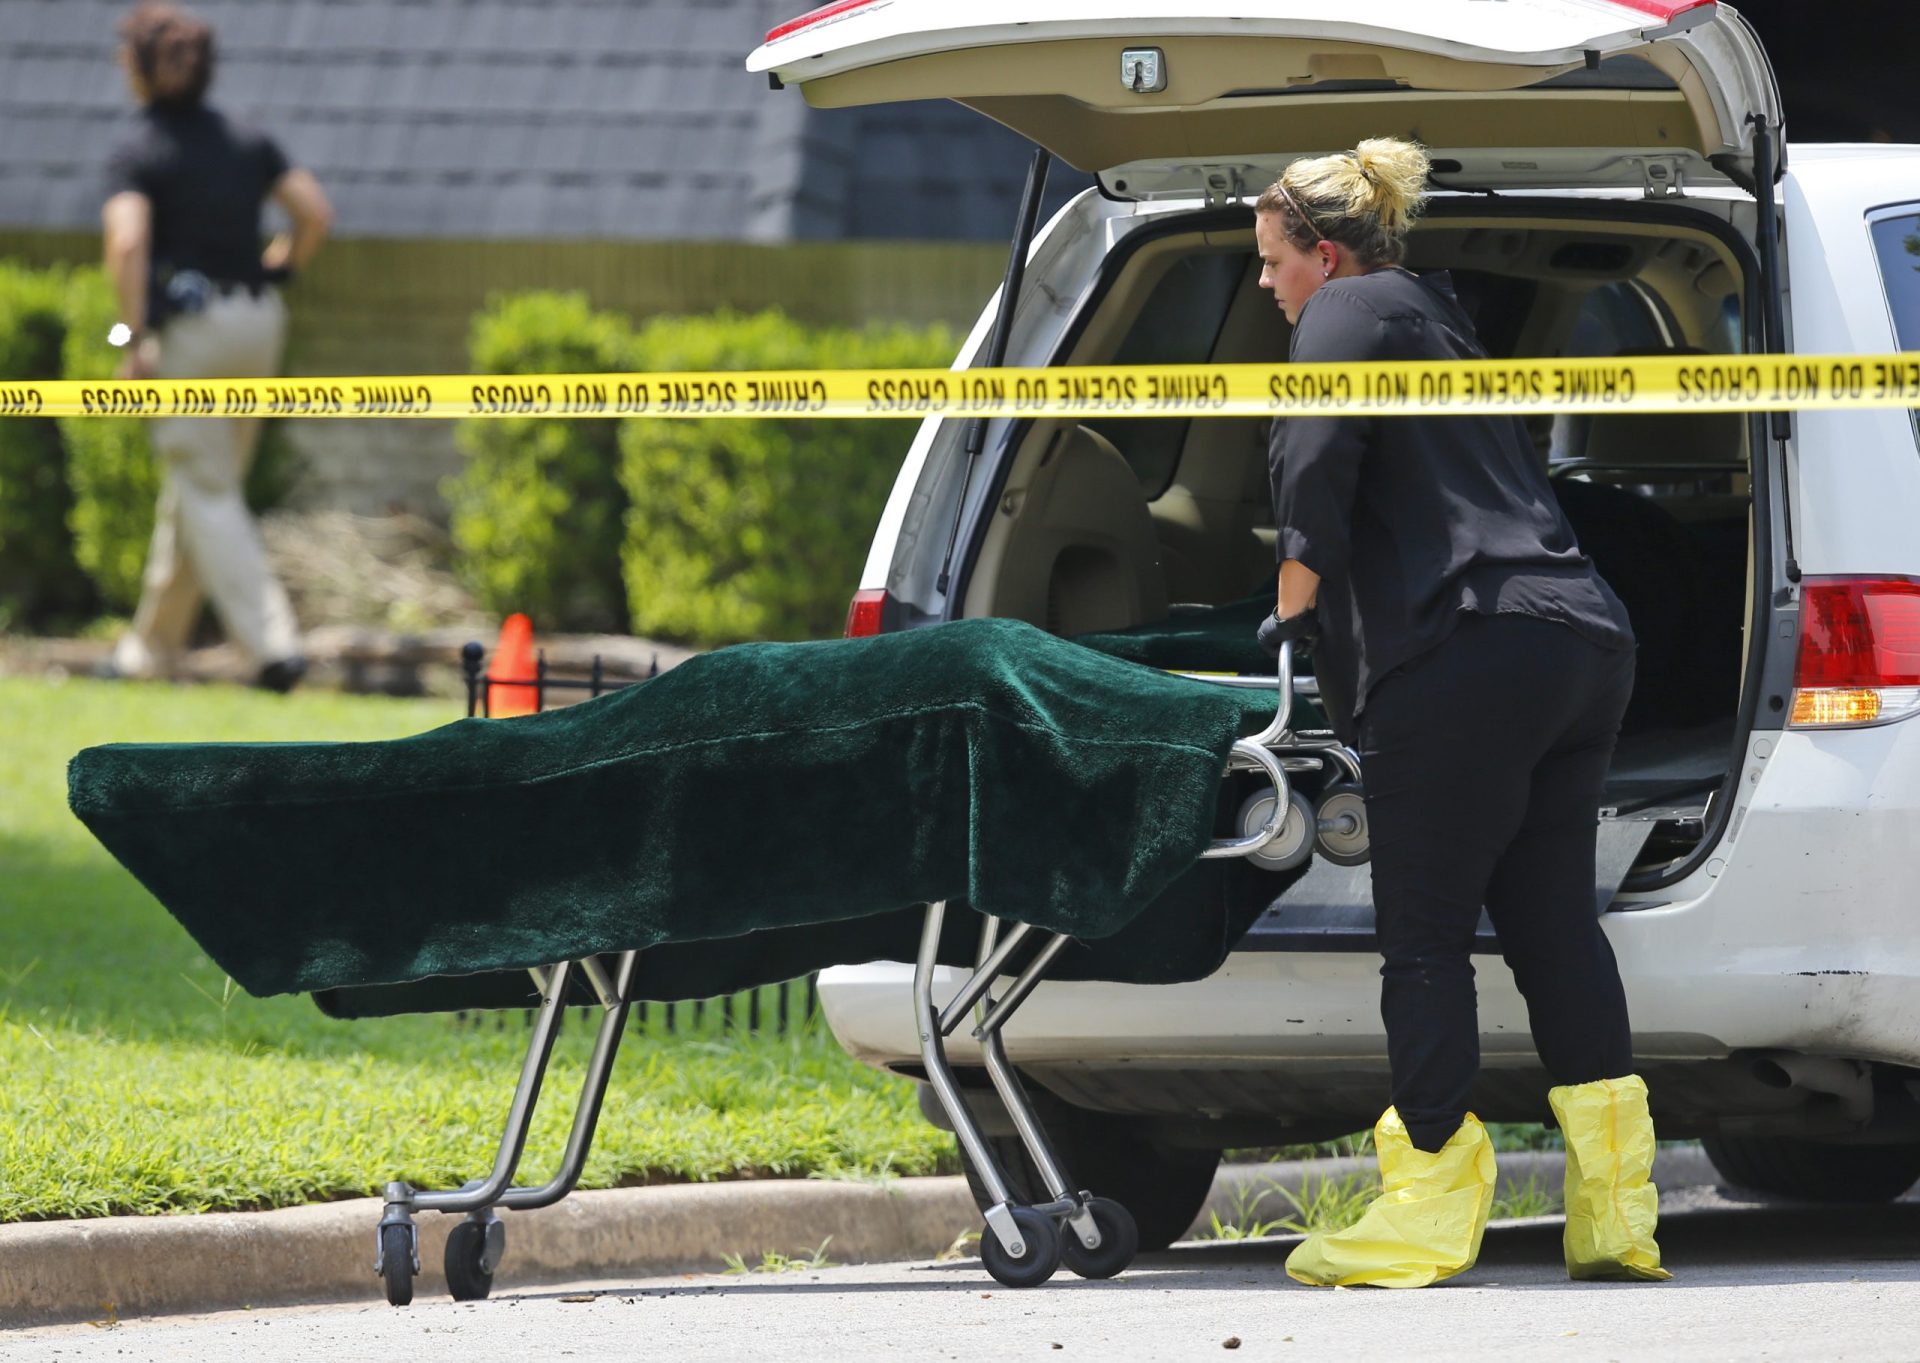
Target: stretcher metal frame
1022, 1245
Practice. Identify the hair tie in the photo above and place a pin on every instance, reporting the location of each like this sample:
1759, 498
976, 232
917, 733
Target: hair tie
1299, 209
1361, 166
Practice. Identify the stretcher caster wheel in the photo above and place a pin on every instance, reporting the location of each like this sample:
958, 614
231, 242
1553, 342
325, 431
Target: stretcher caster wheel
1119, 1241
1293, 844
1042, 1257
396, 1263
1340, 823
470, 1258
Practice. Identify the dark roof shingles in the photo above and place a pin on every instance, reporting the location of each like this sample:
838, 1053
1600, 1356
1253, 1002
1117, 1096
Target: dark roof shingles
564, 118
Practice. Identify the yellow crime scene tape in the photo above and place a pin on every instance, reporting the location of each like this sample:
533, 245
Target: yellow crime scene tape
1408, 388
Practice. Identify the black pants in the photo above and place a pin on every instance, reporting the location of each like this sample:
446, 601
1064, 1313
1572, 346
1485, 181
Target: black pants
1484, 762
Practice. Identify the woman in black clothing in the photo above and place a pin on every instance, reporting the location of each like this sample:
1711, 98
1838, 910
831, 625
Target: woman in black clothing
199, 298
1480, 665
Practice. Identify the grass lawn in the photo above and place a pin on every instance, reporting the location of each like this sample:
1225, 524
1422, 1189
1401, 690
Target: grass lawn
138, 1080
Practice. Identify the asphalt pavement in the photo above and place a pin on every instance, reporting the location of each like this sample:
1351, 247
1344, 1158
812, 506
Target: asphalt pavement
1754, 1281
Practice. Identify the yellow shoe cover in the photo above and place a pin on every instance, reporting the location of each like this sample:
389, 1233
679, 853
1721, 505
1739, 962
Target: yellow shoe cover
1425, 1225
1611, 1205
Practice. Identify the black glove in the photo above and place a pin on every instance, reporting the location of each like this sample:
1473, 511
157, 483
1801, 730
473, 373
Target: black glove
1302, 631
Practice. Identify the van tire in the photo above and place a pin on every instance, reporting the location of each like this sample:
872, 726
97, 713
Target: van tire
1814, 1172
1164, 1188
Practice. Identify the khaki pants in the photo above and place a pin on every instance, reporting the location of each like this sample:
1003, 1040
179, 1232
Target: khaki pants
205, 543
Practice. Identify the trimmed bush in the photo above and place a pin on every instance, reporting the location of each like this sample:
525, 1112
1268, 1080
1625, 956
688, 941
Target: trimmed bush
537, 513
41, 583
757, 529
109, 459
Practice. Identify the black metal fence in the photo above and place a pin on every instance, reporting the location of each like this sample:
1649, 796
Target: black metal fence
775, 1008
480, 683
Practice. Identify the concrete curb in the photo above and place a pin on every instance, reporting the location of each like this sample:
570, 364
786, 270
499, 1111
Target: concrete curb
55, 1271
139, 1266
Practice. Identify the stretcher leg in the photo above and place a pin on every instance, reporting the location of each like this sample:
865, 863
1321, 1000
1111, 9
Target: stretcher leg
1098, 1238
1005, 1081
614, 1005
1020, 1246
476, 1245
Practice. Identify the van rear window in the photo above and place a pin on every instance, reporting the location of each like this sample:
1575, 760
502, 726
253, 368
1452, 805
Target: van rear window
1896, 241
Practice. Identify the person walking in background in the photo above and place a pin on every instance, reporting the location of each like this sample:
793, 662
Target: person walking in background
198, 298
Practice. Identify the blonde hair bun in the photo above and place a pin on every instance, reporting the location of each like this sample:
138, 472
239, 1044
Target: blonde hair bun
1366, 199
1395, 177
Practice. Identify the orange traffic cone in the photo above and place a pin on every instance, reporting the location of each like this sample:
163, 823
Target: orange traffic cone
512, 688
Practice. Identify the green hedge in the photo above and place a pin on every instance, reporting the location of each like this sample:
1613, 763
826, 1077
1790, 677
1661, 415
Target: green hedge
709, 531
757, 529
41, 583
537, 513
109, 461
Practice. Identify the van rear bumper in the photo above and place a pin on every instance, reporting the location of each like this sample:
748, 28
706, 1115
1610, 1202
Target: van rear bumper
1800, 933
1315, 1009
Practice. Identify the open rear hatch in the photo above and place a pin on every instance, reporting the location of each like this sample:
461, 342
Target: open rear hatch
1203, 100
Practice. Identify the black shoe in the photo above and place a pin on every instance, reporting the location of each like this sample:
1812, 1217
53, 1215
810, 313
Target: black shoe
282, 676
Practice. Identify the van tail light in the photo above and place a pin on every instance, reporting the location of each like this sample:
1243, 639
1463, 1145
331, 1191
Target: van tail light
864, 613
1667, 10
816, 16
1859, 660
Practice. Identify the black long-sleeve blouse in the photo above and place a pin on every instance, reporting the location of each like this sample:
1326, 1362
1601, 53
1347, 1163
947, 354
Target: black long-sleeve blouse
1410, 520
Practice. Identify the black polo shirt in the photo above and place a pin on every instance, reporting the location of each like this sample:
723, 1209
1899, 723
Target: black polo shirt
207, 180
1410, 520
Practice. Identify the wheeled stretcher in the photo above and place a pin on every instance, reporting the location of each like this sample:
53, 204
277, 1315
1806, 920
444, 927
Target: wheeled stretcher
1053, 813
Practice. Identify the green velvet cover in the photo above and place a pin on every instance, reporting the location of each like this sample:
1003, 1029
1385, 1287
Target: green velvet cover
1210, 639
1196, 638
747, 806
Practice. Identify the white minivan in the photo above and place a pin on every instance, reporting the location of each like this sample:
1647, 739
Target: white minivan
1598, 167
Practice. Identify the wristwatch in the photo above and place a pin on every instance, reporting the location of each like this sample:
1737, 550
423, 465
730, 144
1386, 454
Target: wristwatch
120, 335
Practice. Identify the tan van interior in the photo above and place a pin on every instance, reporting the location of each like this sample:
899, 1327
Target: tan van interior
1103, 524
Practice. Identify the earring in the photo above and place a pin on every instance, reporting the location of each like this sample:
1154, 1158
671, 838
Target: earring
1326, 272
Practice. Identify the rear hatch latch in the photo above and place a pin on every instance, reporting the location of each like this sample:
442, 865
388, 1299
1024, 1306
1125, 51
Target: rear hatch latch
1662, 177
1225, 185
